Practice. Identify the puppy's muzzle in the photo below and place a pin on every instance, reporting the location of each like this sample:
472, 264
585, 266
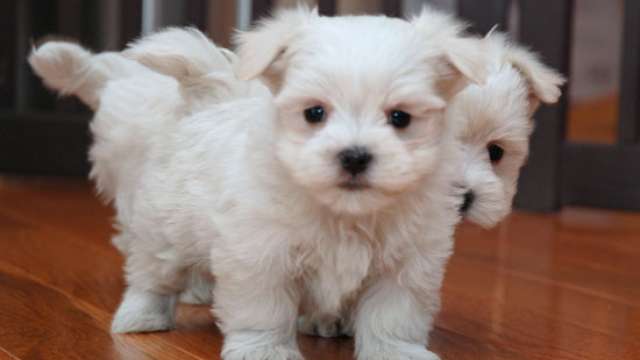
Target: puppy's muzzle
468, 199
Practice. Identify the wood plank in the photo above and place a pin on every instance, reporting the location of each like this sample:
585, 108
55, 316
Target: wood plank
629, 122
547, 30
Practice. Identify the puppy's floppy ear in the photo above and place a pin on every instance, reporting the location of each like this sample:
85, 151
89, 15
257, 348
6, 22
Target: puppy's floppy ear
260, 48
544, 82
465, 56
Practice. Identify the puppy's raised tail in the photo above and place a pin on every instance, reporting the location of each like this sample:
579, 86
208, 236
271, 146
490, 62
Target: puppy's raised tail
72, 70
181, 53
204, 71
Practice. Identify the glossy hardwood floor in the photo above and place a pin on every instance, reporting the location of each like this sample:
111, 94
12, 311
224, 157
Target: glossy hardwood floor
564, 286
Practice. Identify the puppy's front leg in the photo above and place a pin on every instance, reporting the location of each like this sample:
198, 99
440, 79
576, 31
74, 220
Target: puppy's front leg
256, 303
395, 315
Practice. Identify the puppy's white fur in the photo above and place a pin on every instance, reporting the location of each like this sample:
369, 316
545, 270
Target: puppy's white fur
498, 112
495, 112
250, 189
70, 69
203, 70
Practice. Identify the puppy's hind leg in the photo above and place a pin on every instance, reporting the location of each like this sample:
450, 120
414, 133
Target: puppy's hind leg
149, 302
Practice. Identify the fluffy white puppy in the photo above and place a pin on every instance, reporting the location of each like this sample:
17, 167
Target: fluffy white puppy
334, 192
492, 121
493, 125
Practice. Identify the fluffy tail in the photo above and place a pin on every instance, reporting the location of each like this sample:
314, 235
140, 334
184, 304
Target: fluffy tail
180, 53
72, 70
204, 70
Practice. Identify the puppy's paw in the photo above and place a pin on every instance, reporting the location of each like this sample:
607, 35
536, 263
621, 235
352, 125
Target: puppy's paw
145, 322
400, 352
258, 345
326, 327
278, 352
144, 312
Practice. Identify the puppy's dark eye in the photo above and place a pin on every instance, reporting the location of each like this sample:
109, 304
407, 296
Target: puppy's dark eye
314, 114
399, 119
496, 152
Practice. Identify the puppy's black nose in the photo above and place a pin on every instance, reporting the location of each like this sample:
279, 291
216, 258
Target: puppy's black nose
469, 196
355, 160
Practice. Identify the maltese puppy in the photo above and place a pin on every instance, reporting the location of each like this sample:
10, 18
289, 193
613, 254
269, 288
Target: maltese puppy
493, 125
331, 190
492, 120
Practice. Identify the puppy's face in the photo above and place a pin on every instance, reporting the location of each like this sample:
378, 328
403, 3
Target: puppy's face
493, 124
493, 130
356, 128
360, 119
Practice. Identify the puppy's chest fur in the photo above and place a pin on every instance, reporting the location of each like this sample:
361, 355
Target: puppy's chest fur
334, 263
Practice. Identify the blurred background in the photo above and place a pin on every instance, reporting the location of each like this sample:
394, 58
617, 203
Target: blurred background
584, 151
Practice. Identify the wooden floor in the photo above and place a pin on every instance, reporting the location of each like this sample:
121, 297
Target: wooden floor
563, 286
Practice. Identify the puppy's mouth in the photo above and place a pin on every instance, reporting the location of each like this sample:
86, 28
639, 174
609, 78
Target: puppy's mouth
354, 184
467, 197
467, 202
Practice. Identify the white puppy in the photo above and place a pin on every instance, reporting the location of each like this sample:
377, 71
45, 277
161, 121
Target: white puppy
334, 192
492, 120
493, 125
